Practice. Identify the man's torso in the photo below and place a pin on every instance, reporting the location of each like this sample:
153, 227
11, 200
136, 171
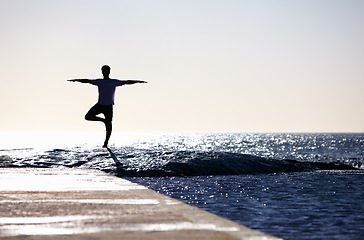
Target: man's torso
106, 90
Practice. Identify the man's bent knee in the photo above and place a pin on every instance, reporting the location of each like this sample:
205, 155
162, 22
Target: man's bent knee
88, 117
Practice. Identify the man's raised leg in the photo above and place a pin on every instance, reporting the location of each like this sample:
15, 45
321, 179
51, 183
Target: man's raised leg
94, 118
91, 114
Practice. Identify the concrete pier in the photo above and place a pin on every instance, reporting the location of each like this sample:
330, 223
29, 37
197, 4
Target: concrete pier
89, 204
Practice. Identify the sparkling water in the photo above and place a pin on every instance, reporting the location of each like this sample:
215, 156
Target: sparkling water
294, 186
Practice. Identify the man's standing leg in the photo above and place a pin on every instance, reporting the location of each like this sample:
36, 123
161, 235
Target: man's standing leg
108, 112
108, 125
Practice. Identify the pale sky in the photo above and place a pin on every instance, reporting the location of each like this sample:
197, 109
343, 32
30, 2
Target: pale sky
212, 65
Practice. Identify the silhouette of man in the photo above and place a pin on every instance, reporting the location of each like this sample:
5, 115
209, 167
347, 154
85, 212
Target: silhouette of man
104, 105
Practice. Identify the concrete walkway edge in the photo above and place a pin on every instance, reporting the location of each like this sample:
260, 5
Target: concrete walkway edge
89, 204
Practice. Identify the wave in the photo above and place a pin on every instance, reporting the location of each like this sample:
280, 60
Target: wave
129, 162
187, 163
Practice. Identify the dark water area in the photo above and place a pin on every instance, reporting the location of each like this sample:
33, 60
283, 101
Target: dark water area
305, 205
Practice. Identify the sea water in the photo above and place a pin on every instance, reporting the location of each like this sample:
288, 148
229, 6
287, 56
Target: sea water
294, 186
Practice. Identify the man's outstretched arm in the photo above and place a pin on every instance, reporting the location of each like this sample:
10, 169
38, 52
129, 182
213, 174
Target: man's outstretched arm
80, 80
128, 82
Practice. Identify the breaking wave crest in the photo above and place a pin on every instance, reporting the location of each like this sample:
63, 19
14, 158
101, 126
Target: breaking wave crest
130, 162
187, 163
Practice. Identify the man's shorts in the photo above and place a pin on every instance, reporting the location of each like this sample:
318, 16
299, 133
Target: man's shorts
104, 109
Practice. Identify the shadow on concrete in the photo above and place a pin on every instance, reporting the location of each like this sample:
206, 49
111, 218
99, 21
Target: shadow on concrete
118, 164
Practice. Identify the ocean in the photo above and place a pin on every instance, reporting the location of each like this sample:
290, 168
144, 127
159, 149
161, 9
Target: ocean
293, 186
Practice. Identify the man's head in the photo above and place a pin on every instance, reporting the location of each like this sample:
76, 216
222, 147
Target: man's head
105, 71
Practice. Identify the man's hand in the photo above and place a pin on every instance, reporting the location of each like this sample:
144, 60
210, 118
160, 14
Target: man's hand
80, 80
125, 82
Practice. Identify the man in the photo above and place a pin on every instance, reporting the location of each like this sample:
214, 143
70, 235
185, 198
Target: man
104, 105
